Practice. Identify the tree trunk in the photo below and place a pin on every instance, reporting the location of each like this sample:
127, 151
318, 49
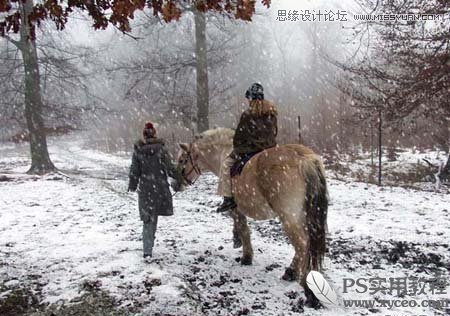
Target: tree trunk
371, 146
299, 128
444, 175
391, 153
40, 159
380, 145
202, 72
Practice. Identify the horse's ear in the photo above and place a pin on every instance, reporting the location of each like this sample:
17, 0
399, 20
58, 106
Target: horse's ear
184, 146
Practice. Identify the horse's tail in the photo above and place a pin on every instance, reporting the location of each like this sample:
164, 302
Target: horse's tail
315, 206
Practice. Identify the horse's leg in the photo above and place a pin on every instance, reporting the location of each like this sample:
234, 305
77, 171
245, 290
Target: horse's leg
243, 231
299, 267
237, 243
298, 237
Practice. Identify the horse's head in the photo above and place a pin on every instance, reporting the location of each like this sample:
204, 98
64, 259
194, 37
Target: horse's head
187, 165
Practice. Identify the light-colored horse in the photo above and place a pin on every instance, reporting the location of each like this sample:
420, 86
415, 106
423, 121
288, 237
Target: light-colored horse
287, 181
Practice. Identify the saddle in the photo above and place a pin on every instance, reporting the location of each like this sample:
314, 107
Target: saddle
240, 163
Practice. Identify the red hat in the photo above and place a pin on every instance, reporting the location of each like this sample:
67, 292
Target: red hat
149, 130
149, 125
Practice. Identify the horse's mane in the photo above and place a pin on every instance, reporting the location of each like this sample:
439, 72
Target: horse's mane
215, 137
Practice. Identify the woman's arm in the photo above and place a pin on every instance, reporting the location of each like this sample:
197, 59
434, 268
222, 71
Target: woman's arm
135, 173
169, 165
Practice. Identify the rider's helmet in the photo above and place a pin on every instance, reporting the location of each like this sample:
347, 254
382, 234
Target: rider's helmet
255, 92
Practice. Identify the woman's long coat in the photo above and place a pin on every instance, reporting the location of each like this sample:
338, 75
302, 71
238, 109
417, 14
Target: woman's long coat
151, 164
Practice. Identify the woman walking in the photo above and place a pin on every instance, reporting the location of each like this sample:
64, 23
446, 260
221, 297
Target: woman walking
150, 166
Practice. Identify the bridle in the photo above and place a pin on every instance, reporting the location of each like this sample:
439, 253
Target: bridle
195, 168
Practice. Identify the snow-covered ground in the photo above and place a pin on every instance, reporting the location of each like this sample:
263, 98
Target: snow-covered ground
62, 234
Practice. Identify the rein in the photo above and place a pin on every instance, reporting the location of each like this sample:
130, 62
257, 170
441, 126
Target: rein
195, 168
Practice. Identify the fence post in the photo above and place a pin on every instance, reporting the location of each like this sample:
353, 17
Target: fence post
299, 127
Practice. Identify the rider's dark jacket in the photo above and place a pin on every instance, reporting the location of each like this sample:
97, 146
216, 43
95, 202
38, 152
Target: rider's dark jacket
257, 128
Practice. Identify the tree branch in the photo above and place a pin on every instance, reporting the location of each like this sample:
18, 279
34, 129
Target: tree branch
18, 44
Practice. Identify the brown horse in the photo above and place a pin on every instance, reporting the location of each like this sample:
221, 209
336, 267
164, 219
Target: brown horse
287, 181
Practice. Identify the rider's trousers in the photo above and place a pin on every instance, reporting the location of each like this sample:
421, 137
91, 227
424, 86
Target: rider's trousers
224, 188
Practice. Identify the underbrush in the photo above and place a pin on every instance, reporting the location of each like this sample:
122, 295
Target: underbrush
407, 169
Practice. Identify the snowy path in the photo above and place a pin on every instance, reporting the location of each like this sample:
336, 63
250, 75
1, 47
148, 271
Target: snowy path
59, 233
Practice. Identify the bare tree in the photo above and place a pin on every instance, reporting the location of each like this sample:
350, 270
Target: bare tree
406, 76
202, 72
165, 78
40, 159
65, 89
24, 18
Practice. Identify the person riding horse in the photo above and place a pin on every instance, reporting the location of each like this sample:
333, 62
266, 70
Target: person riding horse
285, 181
256, 131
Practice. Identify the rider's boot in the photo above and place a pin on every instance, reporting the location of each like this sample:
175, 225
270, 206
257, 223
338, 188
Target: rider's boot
227, 204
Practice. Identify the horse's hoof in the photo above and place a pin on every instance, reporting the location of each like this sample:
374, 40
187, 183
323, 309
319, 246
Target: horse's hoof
246, 261
311, 299
237, 243
313, 303
289, 274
